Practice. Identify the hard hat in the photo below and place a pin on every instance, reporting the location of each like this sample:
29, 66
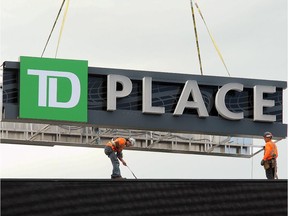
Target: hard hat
132, 141
267, 134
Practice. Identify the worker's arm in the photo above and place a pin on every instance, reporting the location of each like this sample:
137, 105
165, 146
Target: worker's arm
120, 156
267, 152
123, 162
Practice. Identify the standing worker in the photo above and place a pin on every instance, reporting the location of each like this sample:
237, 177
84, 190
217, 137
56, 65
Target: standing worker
269, 159
113, 150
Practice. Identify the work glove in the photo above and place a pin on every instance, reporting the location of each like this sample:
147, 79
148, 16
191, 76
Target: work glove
262, 162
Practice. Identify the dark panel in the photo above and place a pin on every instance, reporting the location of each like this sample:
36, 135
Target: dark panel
185, 124
143, 197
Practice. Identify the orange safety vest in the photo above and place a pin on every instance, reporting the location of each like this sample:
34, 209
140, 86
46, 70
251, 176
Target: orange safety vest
120, 144
270, 151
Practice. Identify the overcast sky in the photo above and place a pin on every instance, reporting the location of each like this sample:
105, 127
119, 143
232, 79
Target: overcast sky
154, 35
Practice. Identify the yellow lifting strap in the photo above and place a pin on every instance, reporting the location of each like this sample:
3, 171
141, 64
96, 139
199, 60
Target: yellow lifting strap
213, 41
62, 26
196, 38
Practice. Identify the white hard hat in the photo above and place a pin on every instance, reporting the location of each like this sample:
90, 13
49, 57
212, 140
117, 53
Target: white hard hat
132, 141
268, 134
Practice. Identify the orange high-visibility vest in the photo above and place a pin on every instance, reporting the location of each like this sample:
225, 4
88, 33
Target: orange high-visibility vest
270, 151
120, 144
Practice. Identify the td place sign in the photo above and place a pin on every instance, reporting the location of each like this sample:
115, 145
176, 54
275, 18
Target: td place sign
69, 90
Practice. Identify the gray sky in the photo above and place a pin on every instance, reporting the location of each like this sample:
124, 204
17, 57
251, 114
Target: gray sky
155, 35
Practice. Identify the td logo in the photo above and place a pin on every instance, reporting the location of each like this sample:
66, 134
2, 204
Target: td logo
53, 89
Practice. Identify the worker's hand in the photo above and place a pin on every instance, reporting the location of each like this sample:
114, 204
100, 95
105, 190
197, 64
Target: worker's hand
262, 162
124, 163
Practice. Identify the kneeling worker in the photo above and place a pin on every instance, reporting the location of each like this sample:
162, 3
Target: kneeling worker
269, 159
113, 150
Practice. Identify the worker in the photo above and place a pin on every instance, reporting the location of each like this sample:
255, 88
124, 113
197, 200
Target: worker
270, 155
113, 150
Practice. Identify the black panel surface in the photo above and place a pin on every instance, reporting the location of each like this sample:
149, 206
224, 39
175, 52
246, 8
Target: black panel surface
143, 197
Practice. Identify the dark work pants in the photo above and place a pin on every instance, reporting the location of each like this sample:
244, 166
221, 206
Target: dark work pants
270, 172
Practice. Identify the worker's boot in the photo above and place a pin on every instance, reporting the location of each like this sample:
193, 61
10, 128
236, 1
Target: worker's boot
117, 177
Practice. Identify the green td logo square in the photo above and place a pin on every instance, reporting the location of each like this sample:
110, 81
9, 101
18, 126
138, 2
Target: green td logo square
53, 89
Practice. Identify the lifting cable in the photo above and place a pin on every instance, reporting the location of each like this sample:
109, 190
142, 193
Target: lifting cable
213, 41
196, 37
53, 28
62, 26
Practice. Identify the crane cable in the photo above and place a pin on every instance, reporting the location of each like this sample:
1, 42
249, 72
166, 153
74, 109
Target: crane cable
211, 37
196, 37
62, 26
55, 22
